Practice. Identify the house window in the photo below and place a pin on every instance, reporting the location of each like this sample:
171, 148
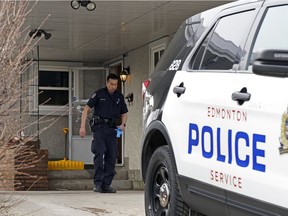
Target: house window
156, 52
53, 88
50, 92
157, 56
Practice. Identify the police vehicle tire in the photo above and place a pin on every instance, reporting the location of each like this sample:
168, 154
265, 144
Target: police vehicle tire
162, 195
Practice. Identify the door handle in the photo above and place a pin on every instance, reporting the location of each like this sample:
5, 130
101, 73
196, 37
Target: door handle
178, 90
241, 96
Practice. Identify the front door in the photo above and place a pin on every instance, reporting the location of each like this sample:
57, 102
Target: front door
84, 81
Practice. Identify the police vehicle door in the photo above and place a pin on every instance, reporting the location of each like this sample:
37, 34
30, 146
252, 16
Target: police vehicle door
266, 149
206, 127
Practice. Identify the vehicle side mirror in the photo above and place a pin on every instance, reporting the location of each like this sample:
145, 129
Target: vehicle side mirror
271, 63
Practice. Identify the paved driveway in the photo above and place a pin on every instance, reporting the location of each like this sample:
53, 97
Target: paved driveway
80, 203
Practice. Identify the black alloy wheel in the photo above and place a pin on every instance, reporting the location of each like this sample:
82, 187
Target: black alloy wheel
162, 196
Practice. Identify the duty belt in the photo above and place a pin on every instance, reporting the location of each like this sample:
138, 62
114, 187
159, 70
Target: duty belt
97, 120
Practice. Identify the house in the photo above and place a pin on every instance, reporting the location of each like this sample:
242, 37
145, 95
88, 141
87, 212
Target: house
84, 46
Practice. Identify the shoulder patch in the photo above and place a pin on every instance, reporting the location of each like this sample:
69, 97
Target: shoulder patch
93, 95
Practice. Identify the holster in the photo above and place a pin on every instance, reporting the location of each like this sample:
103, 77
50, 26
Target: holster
92, 124
96, 120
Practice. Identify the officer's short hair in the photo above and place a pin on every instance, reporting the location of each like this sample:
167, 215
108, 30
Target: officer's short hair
112, 76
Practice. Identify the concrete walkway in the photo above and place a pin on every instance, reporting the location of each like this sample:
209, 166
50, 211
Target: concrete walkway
79, 203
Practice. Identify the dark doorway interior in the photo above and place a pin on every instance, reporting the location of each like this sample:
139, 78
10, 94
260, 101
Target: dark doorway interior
117, 70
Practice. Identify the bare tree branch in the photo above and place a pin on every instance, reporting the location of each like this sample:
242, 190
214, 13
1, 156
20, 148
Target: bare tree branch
15, 44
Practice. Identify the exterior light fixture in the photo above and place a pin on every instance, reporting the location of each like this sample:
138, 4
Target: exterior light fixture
129, 98
75, 4
124, 74
90, 6
39, 32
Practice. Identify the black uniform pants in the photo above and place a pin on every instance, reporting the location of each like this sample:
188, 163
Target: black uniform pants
104, 148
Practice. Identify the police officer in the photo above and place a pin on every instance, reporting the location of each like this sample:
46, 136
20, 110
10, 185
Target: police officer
109, 105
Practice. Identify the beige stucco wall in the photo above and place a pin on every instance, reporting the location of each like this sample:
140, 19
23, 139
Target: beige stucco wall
51, 134
138, 61
53, 138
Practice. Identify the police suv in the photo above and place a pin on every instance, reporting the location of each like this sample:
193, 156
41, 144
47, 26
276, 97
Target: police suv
215, 115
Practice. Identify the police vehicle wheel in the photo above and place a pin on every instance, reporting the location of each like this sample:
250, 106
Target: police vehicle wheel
162, 196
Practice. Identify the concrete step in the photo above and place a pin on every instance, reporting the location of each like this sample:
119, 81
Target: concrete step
85, 184
83, 180
82, 174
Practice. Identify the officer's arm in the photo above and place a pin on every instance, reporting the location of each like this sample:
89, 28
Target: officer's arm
85, 112
123, 121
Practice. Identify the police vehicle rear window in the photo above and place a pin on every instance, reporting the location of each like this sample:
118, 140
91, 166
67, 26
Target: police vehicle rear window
184, 39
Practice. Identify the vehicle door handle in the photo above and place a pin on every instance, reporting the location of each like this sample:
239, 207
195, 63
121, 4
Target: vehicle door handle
241, 96
178, 90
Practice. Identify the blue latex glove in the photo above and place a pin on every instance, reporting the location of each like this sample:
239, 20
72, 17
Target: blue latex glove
119, 132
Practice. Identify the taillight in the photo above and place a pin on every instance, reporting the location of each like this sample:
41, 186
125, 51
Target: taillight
145, 85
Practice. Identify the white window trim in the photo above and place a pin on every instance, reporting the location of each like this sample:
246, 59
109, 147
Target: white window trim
154, 47
34, 109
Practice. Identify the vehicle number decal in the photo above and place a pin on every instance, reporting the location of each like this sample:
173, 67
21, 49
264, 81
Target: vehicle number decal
175, 65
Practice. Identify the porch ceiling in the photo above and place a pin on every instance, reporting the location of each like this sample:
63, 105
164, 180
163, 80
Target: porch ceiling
113, 28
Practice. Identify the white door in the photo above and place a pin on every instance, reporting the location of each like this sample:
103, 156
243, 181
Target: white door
267, 112
204, 124
84, 80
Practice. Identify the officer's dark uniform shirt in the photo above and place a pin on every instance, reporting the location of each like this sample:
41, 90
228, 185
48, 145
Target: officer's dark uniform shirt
107, 105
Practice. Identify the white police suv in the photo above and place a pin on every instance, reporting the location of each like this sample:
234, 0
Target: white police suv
215, 138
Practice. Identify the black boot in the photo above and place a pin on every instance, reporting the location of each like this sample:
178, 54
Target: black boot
108, 189
97, 188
